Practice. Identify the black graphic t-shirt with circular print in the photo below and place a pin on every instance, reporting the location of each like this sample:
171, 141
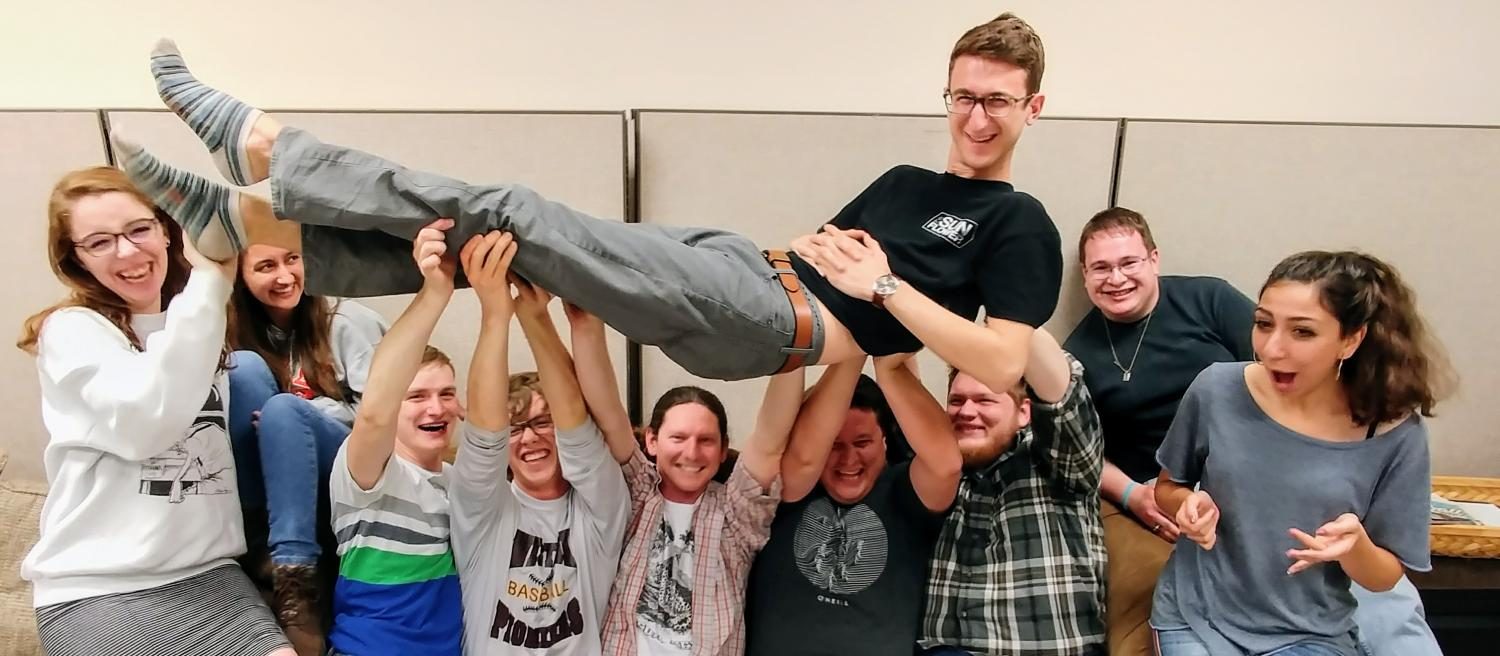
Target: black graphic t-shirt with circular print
843, 579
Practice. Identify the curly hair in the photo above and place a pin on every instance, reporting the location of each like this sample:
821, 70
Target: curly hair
1400, 367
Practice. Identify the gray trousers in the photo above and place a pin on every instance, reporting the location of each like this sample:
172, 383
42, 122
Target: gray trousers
707, 298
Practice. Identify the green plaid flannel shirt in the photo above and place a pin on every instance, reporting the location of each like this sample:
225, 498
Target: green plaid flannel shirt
1019, 565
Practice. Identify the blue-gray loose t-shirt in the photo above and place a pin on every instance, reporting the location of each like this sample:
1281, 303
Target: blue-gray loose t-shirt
1267, 479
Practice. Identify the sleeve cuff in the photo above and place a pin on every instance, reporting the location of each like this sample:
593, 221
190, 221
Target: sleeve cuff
214, 285
1071, 397
486, 439
743, 485
582, 434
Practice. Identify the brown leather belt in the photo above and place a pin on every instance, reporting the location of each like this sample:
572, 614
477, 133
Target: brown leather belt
802, 335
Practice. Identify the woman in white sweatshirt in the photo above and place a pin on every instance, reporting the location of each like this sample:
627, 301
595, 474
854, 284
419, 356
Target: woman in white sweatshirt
142, 523
300, 367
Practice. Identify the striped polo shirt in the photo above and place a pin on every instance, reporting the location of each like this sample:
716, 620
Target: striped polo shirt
397, 590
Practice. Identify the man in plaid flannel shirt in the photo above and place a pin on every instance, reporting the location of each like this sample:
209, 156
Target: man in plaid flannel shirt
1019, 564
680, 589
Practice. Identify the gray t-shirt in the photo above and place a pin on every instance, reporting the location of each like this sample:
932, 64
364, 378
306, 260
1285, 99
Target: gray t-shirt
1267, 479
536, 573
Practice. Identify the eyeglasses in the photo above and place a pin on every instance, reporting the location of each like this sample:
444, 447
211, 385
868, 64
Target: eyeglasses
541, 425
100, 244
998, 105
1128, 266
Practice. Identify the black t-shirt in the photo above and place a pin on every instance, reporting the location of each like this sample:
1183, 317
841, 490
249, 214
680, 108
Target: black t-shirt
962, 242
836, 579
1197, 321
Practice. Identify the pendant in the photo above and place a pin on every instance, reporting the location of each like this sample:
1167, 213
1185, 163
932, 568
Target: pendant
1125, 377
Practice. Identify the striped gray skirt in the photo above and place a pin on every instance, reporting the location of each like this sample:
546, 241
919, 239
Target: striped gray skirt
218, 612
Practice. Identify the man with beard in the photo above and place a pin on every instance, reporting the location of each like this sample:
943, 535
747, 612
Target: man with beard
1018, 567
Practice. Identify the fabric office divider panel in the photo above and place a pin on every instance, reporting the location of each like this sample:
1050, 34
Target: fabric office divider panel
39, 147
1232, 200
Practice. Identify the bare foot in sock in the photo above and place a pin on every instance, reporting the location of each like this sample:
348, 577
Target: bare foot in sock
239, 137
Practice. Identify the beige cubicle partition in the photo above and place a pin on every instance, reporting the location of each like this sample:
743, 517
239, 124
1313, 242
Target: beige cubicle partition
36, 148
773, 177
575, 158
1232, 199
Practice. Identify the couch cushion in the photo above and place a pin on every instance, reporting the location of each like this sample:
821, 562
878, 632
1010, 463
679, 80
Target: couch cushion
20, 511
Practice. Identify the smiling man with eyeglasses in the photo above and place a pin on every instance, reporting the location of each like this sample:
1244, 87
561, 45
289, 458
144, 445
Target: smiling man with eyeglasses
1144, 342
536, 553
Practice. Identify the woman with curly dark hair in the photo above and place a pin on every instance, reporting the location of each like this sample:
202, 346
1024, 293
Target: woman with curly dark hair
1294, 475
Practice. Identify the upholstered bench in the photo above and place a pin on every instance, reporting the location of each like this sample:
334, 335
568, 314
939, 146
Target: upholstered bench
20, 507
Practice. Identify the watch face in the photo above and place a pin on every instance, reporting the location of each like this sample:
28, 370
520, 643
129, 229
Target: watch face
886, 285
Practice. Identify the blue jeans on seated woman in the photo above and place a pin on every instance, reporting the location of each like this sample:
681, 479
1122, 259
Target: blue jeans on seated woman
284, 464
1183, 642
1390, 623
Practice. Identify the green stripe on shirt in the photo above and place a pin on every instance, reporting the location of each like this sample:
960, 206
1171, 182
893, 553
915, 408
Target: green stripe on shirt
371, 565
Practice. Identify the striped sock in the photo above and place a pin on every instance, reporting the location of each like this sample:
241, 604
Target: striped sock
221, 121
209, 213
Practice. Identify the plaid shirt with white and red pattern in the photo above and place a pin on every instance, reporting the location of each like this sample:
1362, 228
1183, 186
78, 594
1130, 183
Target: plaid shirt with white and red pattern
730, 526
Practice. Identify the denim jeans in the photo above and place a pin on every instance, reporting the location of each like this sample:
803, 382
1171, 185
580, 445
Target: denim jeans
946, 650
706, 297
1392, 623
292, 451
1183, 642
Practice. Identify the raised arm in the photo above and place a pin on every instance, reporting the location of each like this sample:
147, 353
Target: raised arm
816, 427
398, 357
486, 260
937, 464
778, 412
554, 367
1048, 371
596, 377
585, 460
1068, 437
478, 490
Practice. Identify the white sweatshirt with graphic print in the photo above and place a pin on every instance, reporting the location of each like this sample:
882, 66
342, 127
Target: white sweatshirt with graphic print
142, 475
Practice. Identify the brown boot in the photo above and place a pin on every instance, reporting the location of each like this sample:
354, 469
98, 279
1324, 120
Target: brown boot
298, 607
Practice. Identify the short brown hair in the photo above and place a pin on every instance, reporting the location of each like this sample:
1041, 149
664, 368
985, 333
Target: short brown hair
1113, 219
1009, 39
432, 354
523, 386
1016, 392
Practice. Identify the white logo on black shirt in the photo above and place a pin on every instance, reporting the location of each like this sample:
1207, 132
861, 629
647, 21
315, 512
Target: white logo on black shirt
956, 229
840, 550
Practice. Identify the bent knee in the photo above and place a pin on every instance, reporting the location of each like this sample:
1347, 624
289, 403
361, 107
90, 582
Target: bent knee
286, 406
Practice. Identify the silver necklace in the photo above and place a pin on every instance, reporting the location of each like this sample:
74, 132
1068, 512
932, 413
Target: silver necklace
1124, 370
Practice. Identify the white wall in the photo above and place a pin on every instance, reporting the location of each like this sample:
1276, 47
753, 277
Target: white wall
1331, 60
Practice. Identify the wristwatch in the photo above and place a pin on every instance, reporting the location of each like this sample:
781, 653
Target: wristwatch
884, 287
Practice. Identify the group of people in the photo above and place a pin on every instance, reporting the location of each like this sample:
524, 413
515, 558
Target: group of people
1197, 473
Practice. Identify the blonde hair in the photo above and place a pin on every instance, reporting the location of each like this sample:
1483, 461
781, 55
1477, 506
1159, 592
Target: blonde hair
523, 386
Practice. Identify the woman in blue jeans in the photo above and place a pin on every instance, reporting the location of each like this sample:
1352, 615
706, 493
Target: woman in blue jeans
299, 367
